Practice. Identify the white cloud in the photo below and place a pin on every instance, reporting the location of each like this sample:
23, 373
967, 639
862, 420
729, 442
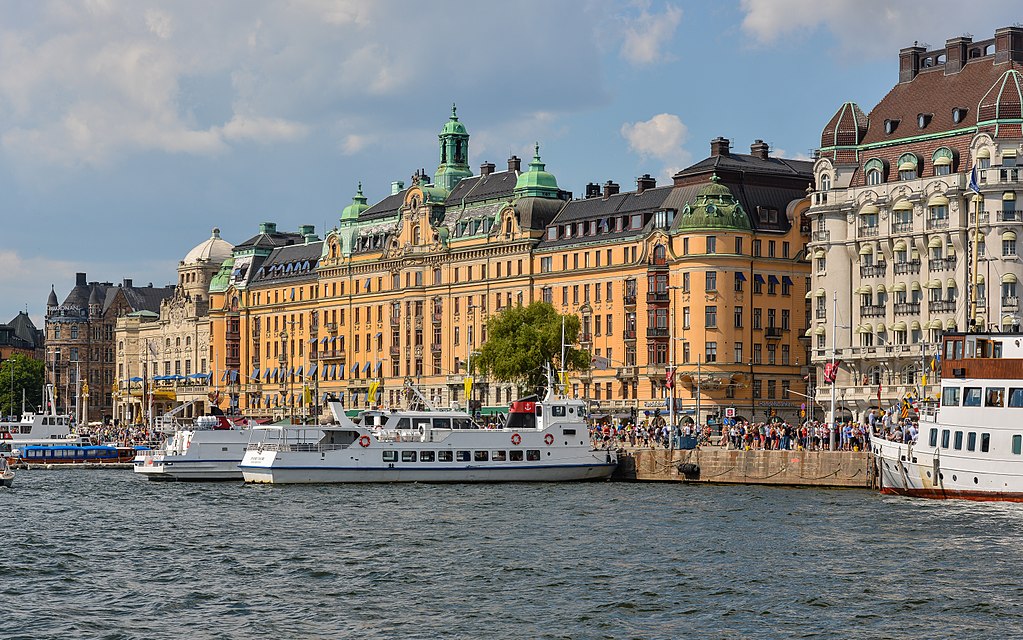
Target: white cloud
354, 143
662, 136
647, 34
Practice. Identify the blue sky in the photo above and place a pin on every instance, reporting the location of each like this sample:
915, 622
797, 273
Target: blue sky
129, 128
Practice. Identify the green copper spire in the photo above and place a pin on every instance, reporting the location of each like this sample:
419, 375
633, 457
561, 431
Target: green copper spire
537, 182
454, 153
351, 212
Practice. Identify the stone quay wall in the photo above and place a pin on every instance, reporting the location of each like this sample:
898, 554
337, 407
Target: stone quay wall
731, 466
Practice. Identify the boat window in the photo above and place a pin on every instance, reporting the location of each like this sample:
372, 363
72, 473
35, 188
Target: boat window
558, 411
408, 456
480, 456
1017, 444
958, 443
568, 432
462, 423
499, 456
539, 411
515, 455
532, 455
971, 441
1016, 397
945, 433
995, 397
443, 456
462, 456
985, 442
950, 397
404, 423
427, 456
933, 439
972, 397
390, 456
442, 423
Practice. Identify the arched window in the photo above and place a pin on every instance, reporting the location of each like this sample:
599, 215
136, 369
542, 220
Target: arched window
875, 171
416, 235
825, 182
910, 374
873, 377
942, 161
660, 254
909, 165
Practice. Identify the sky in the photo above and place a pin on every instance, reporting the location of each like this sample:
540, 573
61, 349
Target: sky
130, 128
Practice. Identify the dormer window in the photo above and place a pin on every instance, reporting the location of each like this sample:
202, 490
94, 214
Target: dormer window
958, 114
552, 233
923, 119
890, 126
908, 165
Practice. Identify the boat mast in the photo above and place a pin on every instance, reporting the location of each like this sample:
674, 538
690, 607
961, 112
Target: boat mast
561, 380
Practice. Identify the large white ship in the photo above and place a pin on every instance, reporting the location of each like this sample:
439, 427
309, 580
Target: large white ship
541, 442
971, 445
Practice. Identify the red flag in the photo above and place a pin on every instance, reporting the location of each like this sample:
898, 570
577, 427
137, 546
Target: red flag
831, 371
669, 378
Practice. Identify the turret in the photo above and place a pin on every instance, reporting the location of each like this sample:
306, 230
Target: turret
454, 154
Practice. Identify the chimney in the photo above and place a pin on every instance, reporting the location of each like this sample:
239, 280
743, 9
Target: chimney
268, 227
127, 283
909, 62
955, 54
592, 190
719, 147
1008, 45
514, 164
759, 149
306, 229
487, 168
645, 182
610, 189
397, 186
80, 280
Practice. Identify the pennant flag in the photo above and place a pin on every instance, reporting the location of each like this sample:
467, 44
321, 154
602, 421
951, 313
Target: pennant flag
934, 364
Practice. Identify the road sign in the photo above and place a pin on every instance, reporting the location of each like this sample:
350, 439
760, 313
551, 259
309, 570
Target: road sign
729, 412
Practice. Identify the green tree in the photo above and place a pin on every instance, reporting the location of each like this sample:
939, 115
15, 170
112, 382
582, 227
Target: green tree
16, 373
522, 340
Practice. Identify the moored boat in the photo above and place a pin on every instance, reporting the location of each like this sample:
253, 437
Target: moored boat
970, 442
209, 449
6, 473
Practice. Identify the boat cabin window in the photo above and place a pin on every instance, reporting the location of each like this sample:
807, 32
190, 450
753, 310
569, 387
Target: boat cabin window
958, 442
532, 455
985, 442
945, 433
932, 440
972, 397
462, 456
950, 396
1015, 397
390, 456
995, 397
480, 456
408, 456
1017, 444
568, 432
442, 423
996, 350
539, 411
971, 441
515, 455
426, 456
404, 423
443, 456
462, 423
498, 456
558, 411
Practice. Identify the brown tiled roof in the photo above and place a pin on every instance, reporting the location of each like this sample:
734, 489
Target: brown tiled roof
846, 127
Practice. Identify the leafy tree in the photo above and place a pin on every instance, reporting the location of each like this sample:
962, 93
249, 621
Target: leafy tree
27, 375
522, 340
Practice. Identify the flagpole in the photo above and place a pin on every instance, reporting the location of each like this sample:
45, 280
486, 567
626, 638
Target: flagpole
975, 293
832, 441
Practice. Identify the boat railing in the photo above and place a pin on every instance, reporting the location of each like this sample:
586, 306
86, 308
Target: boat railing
295, 446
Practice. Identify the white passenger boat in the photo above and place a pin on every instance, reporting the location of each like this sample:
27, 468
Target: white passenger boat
971, 446
37, 428
541, 442
209, 449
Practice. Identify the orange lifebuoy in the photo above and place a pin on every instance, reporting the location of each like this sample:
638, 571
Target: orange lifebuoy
516, 439
549, 439
364, 441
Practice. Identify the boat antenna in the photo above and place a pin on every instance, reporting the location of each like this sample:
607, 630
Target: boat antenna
417, 394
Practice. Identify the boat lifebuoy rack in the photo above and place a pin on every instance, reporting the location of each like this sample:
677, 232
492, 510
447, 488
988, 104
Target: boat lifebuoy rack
516, 439
549, 439
364, 441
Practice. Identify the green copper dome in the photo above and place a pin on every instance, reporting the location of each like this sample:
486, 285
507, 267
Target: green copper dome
453, 125
714, 208
454, 154
351, 212
536, 182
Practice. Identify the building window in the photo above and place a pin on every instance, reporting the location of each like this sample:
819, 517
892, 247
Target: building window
546, 264
685, 317
739, 279
738, 317
757, 318
757, 353
756, 247
1008, 247
874, 177
738, 352
785, 351
712, 281
738, 245
712, 352
712, 244
712, 317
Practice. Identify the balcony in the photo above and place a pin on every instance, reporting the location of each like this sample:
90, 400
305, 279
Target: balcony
869, 232
941, 264
941, 306
1010, 216
654, 332
395, 351
907, 308
902, 268
985, 217
772, 333
436, 347
437, 317
585, 338
629, 334
873, 270
331, 327
872, 311
626, 373
630, 299
330, 354
902, 227
1010, 303
656, 296
937, 223
822, 236
395, 321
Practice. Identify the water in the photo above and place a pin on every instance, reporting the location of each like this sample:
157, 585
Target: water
105, 554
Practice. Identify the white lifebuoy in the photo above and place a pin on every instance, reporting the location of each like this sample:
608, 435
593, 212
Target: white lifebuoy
549, 439
516, 439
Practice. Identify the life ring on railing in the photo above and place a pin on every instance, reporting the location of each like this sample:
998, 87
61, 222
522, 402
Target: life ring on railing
549, 439
364, 441
516, 439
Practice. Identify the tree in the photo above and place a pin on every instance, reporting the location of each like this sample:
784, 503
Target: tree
28, 375
522, 340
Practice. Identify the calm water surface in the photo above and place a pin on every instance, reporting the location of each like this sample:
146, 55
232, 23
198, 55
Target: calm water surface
104, 554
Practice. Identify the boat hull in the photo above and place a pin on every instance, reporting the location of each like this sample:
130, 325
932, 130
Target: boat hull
7, 479
197, 456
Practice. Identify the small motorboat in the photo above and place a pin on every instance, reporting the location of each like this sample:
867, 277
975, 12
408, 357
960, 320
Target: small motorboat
6, 473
